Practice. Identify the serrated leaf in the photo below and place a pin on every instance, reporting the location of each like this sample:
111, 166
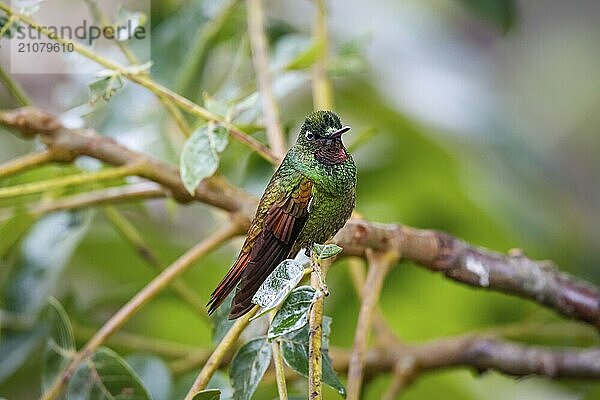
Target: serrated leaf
278, 285
104, 88
293, 312
210, 394
154, 374
201, 154
324, 251
106, 376
294, 347
60, 344
45, 252
248, 367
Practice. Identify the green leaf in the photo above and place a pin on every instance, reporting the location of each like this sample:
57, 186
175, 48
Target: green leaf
16, 347
104, 88
60, 344
10, 31
14, 229
210, 394
293, 313
201, 154
350, 58
294, 347
45, 252
324, 251
501, 13
248, 367
278, 285
154, 373
106, 376
306, 58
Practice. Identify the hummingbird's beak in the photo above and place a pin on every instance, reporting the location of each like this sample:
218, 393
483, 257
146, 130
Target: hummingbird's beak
340, 132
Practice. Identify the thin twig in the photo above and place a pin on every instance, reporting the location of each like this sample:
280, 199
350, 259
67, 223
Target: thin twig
111, 195
13, 86
321, 85
278, 364
279, 370
101, 19
193, 64
25, 163
315, 330
379, 265
219, 354
134, 341
126, 312
70, 180
131, 235
260, 57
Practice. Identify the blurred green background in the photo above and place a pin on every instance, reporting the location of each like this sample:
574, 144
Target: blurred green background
479, 118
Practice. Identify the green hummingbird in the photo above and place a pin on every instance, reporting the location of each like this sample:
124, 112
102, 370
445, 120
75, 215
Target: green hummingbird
308, 199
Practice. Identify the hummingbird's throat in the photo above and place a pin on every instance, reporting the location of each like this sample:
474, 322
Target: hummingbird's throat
332, 154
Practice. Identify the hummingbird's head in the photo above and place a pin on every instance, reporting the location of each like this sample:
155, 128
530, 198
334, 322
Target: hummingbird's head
321, 134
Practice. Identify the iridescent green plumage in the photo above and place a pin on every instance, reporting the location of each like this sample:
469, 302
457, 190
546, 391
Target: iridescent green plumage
309, 198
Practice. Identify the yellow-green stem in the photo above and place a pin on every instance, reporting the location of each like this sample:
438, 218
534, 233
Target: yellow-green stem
13, 86
70, 180
279, 370
321, 85
25, 162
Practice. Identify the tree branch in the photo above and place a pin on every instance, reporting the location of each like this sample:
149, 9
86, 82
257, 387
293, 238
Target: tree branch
321, 85
515, 274
135, 239
110, 195
479, 352
380, 264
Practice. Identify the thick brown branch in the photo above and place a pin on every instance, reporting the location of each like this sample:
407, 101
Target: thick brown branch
67, 144
482, 354
515, 274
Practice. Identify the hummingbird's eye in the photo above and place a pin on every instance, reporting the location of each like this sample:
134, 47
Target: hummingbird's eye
309, 135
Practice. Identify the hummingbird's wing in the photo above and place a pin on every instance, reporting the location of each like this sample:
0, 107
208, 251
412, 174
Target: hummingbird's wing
281, 216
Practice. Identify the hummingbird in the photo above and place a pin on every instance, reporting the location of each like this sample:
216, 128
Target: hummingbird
308, 199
